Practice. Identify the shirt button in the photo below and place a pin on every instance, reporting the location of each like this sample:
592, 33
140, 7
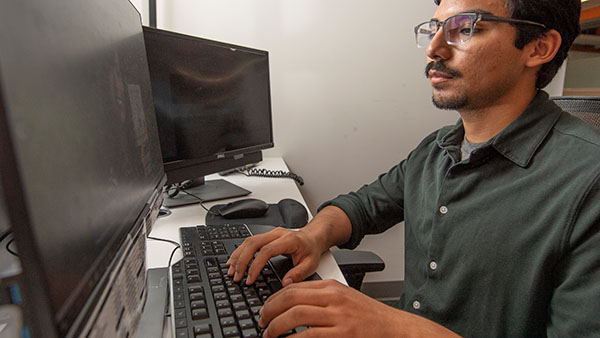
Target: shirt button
433, 265
416, 305
443, 210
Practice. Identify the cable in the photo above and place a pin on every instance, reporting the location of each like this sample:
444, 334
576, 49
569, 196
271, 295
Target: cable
201, 202
5, 234
272, 173
173, 253
14, 253
174, 189
177, 246
164, 240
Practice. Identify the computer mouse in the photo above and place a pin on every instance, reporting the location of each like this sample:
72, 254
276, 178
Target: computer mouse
244, 208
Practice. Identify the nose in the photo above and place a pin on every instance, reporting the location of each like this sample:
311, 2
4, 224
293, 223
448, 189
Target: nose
438, 48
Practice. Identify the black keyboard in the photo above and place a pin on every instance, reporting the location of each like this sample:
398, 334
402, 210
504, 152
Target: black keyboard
206, 303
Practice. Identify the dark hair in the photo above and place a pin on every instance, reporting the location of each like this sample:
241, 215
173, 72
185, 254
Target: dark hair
561, 15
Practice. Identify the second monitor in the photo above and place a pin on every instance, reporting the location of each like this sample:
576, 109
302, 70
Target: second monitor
213, 110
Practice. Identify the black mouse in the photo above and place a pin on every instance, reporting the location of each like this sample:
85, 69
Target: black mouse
245, 208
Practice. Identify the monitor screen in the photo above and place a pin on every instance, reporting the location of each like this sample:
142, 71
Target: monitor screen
79, 155
212, 102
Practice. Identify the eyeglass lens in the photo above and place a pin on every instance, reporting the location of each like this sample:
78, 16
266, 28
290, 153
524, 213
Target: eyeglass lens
457, 30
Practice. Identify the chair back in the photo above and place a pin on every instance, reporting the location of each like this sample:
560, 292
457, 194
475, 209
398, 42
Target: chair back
586, 108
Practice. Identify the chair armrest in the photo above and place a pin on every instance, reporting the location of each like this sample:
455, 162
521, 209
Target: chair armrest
358, 261
354, 265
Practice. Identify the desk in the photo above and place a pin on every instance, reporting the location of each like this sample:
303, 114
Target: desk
270, 190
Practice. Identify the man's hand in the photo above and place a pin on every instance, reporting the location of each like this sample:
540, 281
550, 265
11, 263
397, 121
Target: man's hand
304, 250
331, 309
330, 227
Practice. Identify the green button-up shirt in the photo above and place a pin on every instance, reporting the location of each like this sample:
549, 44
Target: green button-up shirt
504, 244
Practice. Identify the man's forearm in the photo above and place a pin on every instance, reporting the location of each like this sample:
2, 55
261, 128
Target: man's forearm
331, 226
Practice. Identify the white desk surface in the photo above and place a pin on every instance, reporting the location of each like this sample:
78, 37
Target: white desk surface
270, 190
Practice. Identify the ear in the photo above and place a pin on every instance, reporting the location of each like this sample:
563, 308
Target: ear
542, 50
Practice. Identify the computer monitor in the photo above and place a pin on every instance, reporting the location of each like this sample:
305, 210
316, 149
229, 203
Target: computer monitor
213, 108
80, 164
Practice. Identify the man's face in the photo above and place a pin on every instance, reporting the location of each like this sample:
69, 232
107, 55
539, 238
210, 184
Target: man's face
479, 73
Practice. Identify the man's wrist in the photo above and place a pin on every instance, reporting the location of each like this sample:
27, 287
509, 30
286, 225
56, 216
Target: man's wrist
330, 227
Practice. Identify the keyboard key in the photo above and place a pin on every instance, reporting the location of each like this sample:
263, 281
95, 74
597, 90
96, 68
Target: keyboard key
227, 312
242, 314
250, 333
239, 306
220, 296
193, 279
210, 262
246, 324
180, 313
255, 310
181, 333
194, 289
197, 296
202, 329
236, 298
179, 323
198, 314
227, 321
231, 331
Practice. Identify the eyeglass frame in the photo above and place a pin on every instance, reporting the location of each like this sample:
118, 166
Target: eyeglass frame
475, 18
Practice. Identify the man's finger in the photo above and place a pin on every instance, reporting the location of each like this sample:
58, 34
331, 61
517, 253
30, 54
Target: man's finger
301, 315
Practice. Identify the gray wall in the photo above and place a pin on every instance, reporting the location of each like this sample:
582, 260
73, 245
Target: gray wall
349, 95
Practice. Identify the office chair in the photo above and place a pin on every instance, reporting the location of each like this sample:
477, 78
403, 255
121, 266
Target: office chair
586, 108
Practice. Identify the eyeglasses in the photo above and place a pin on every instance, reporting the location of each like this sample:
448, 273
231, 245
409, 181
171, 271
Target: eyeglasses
458, 29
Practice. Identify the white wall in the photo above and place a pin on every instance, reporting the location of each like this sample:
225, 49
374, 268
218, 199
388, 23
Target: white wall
349, 94
143, 8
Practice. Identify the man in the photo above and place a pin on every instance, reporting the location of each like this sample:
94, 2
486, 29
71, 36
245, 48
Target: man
501, 211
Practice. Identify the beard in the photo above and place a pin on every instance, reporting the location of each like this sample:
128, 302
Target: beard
454, 102
439, 101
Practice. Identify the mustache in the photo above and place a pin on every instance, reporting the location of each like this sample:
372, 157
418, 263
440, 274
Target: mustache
439, 66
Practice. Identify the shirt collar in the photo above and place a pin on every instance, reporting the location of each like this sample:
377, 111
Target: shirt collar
519, 141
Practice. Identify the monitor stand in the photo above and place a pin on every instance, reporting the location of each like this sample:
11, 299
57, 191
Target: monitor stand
212, 190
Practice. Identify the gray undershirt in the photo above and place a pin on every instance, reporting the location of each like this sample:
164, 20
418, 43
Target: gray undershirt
466, 148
